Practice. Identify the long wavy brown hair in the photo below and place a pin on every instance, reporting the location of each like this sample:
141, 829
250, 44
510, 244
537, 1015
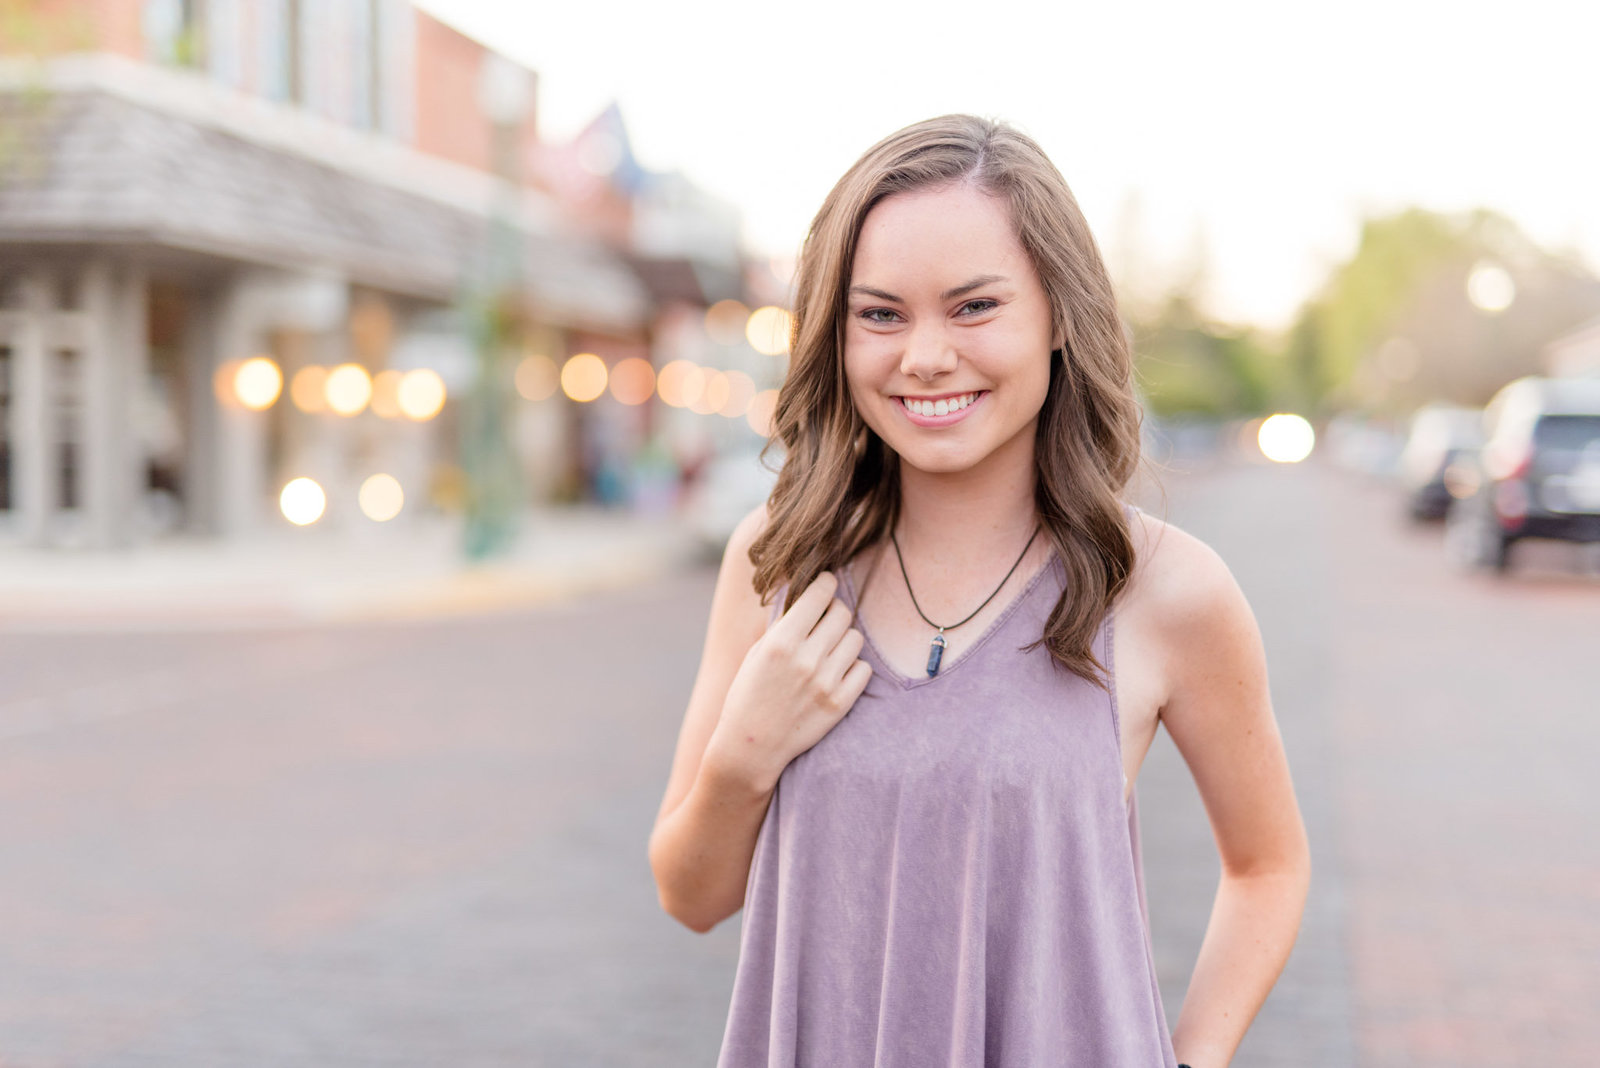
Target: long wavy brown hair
839, 492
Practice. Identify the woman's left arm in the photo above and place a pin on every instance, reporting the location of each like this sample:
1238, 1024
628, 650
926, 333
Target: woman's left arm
1219, 715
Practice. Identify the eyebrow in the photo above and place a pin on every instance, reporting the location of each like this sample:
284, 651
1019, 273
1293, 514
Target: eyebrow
949, 294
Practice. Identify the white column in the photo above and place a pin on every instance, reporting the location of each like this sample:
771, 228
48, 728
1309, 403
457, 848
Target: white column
226, 464
105, 401
133, 301
33, 489
241, 435
115, 358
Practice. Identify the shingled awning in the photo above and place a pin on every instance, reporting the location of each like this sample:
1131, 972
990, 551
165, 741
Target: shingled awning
92, 168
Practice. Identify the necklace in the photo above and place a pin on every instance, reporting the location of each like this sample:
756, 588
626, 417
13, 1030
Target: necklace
936, 650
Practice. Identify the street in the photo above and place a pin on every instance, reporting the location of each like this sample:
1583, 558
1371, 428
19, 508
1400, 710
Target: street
423, 842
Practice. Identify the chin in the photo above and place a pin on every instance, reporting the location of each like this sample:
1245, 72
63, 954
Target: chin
937, 461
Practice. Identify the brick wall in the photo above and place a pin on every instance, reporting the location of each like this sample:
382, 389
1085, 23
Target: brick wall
48, 27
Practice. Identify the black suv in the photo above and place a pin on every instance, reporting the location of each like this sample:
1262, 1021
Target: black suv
1538, 474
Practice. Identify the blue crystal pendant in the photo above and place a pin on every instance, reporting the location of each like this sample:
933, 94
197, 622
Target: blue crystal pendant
935, 654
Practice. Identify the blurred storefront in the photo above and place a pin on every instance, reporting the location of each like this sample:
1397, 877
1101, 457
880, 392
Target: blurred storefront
238, 246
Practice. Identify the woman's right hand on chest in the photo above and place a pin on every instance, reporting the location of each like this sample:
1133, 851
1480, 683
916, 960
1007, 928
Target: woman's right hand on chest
796, 682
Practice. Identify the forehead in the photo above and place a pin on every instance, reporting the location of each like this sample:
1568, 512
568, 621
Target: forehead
945, 230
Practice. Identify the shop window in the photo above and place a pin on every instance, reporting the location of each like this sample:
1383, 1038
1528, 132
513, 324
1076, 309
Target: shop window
68, 430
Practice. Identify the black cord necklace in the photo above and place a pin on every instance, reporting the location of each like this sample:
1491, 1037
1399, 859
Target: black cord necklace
936, 650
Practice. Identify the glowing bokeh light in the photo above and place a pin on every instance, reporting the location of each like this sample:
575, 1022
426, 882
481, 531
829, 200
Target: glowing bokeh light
583, 377
725, 321
257, 383
714, 393
679, 383
1490, 288
633, 380
386, 394
381, 498
538, 377
760, 414
348, 389
768, 330
741, 391
1286, 438
421, 394
307, 389
302, 501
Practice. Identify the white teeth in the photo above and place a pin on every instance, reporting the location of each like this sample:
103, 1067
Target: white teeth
940, 407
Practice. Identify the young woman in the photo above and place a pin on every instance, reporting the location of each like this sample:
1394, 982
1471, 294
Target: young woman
938, 655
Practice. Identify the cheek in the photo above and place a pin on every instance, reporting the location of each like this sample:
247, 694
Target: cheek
857, 383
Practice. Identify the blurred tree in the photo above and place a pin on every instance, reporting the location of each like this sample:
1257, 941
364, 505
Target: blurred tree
1394, 325
1188, 364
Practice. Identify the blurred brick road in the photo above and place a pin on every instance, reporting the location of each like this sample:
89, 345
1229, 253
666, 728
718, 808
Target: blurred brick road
422, 843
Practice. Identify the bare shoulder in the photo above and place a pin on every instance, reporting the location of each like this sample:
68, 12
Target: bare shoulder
748, 530
736, 592
1177, 579
737, 622
1200, 629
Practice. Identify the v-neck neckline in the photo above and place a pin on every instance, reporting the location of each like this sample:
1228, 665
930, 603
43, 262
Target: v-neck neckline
948, 665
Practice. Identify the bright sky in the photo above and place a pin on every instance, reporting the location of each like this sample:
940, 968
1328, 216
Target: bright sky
1260, 128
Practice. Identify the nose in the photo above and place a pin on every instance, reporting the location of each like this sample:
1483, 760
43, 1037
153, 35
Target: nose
928, 354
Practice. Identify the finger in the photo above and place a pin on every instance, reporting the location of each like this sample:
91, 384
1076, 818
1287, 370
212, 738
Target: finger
840, 658
831, 627
808, 608
854, 683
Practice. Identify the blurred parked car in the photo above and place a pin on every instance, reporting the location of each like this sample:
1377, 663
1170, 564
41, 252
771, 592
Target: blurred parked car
726, 489
1438, 462
1359, 443
1538, 472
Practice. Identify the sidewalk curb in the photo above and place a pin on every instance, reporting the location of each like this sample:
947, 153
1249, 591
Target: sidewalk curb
559, 569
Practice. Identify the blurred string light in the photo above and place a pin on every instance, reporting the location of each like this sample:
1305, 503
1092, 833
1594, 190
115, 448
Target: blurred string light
679, 382
302, 501
381, 498
741, 391
633, 381
768, 330
583, 377
714, 392
538, 377
348, 389
725, 321
1490, 288
257, 383
386, 394
308, 389
762, 405
421, 394
1286, 438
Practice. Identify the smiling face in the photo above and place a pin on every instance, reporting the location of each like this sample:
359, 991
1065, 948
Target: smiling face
948, 331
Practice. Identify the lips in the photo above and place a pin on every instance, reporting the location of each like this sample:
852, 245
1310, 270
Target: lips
946, 410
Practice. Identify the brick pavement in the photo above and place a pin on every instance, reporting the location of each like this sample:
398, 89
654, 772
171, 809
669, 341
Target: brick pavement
1439, 727
423, 843
1262, 520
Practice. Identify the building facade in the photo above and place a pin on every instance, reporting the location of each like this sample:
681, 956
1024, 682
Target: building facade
216, 214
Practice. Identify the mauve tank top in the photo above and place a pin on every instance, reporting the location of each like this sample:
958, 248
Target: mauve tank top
951, 876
